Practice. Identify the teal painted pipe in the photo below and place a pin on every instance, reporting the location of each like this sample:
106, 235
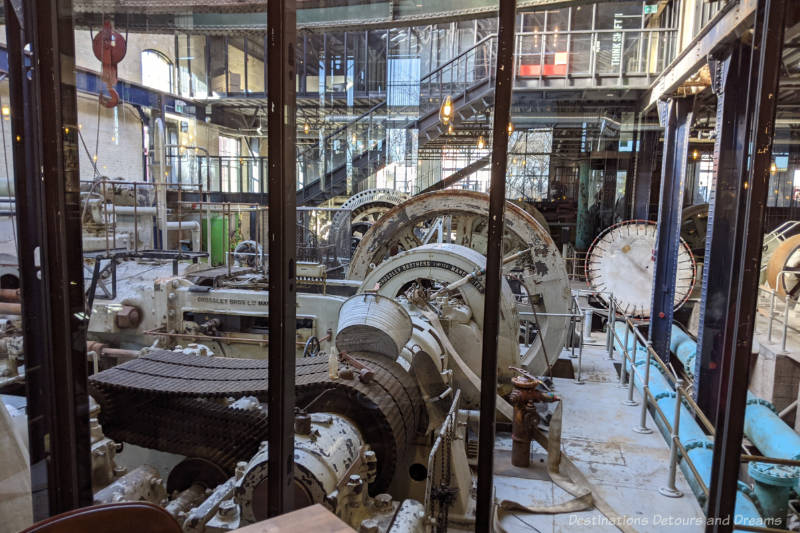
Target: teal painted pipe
762, 425
699, 447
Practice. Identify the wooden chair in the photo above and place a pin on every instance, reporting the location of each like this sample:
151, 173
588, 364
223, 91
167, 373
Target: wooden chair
123, 517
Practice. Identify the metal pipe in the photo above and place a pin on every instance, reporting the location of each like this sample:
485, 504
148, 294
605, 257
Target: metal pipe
694, 445
10, 308
771, 315
578, 378
612, 316
587, 323
623, 372
671, 490
642, 427
9, 295
785, 322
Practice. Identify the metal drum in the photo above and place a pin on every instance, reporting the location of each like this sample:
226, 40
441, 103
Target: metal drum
621, 261
373, 323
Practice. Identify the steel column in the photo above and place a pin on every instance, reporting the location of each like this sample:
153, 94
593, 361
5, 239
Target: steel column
677, 118
281, 31
494, 267
748, 236
645, 168
584, 227
730, 81
45, 150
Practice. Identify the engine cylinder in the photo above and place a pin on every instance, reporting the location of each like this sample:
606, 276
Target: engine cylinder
322, 458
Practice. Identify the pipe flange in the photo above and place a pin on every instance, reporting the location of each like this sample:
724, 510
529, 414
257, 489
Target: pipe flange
761, 401
745, 489
774, 475
662, 395
694, 444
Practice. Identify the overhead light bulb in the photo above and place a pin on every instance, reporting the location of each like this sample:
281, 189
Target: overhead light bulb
450, 129
510, 128
446, 111
773, 167
695, 154
306, 128
481, 142
6, 110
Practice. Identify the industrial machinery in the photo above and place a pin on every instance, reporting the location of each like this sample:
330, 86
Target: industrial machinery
404, 369
364, 209
461, 217
388, 370
620, 262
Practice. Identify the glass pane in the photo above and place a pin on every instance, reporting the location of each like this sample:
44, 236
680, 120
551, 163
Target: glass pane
236, 65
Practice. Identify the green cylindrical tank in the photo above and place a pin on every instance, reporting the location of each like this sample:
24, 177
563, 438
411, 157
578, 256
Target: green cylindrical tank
219, 239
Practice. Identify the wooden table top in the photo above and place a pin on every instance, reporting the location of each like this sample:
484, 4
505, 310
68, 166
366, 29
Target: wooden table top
316, 519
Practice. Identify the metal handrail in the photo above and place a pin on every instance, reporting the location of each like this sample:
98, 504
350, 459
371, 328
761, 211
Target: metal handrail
459, 56
677, 448
649, 400
788, 303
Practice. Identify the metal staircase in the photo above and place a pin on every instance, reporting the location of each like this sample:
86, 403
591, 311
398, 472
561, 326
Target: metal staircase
468, 79
358, 149
324, 172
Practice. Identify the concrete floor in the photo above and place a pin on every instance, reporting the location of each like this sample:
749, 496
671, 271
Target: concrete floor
625, 467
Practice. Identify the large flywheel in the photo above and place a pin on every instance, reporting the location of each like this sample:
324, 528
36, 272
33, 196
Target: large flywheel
461, 217
362, 210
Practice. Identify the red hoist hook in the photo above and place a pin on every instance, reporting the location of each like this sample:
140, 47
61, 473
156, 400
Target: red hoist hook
109, 47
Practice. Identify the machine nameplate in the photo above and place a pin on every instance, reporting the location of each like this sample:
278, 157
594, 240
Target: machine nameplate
231, 301
428, 263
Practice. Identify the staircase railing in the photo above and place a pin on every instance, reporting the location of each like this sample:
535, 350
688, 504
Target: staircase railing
361, 142
458, 76
358, 138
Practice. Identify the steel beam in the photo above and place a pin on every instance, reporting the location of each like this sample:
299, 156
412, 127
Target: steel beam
494, 268
281, 38
724, 28
677, 118
45, 150
730, 76
458, 175
747, 237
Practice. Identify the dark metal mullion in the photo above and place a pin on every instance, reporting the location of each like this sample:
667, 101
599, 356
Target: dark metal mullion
189, 64
765, 63
244, 53
281, 41
227, 69
677, 122
502, 110
48, 210
207, 60
177, 50
38, 373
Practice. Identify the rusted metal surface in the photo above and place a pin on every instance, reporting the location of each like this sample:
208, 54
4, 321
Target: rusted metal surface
542, 274
526, 394
128, 317
9, 295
